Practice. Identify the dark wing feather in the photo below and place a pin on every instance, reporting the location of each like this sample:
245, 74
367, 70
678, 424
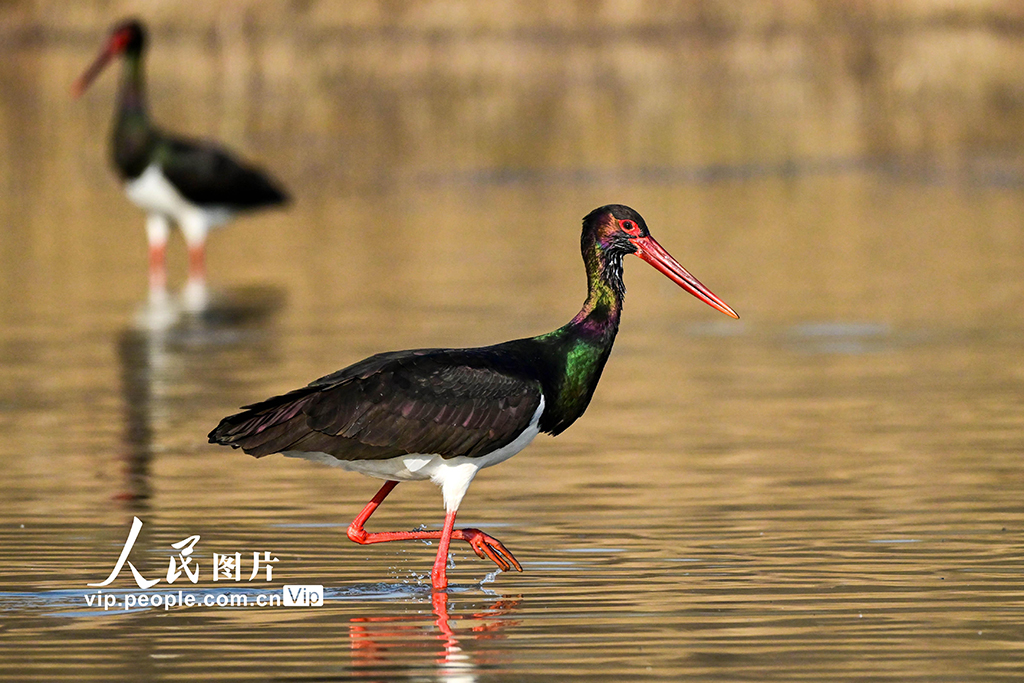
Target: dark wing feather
209, 176
441, 402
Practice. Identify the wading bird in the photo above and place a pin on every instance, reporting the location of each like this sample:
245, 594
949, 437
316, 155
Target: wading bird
443, 414
195, 184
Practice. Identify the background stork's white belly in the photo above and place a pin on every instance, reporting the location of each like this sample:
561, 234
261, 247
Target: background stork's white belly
453, 475
153, 193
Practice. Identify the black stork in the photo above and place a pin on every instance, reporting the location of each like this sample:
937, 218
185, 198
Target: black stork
192, 183
443, 414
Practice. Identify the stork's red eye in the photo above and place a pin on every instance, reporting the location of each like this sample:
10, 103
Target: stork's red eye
630, 227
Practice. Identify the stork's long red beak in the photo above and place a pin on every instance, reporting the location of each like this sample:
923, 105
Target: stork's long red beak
649, 250
115, 46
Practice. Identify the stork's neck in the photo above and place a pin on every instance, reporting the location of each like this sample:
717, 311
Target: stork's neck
584, 343
131, 99
133, 135
599, 317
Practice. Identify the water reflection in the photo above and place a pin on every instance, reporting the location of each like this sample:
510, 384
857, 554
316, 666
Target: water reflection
142, 356
375, 641
161, 357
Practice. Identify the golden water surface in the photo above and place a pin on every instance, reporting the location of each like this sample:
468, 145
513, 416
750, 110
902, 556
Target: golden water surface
828, 489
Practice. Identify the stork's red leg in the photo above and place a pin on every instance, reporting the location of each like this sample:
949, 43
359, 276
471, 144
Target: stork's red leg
158, 229
197, 262
439, 575
157, 267
356, 532
485, 546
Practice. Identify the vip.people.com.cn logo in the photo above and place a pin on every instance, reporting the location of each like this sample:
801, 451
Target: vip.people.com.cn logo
225, 567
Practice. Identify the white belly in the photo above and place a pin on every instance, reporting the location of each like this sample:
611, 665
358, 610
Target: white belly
153, 193
453, 475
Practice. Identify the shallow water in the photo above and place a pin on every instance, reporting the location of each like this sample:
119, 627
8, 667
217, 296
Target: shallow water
828, 488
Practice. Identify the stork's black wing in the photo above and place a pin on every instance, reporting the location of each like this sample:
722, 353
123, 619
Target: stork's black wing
210, 176
434, 401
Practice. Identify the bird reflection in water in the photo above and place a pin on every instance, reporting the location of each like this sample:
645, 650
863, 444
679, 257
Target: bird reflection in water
375, 640
169, 357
